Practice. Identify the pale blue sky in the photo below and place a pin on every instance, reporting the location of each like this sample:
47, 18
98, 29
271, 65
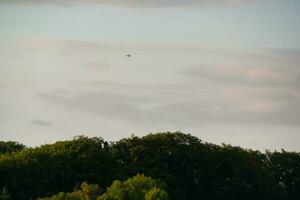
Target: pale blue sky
264, 24
226, 71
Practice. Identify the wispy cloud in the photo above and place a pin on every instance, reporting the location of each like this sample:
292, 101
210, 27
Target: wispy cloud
260, 88
40, 122
186, 104
160, 86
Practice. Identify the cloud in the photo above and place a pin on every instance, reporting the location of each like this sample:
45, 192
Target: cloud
95, 65
172, 85
240, 105
132, 3
271, 68
251, 75
39, 122
64, 44
250, 89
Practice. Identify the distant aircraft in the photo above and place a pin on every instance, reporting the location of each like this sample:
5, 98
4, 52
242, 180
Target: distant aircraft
128, 55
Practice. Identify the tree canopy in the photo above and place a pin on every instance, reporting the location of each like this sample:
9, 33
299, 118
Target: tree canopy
84, 192
10, 147
188, 168
138, 187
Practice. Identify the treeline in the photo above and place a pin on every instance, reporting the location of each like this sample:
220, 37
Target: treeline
189, 168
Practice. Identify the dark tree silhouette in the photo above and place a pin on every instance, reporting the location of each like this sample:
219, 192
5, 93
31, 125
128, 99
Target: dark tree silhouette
190, 168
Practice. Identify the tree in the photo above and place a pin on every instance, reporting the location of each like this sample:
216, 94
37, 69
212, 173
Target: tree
138, 187
285, 169
156, 194
51, 168
190, 168
4, 195
10, 147
84, 192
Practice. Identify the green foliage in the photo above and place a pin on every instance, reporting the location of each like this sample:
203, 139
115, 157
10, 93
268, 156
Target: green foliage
10, 147
190, 168
4, 195
138, 187
49, 169
285, 168
156, 194
85, 192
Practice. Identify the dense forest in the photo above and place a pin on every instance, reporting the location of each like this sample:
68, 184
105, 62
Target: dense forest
174, 166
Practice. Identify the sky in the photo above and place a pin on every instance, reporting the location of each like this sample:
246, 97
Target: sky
226, 71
